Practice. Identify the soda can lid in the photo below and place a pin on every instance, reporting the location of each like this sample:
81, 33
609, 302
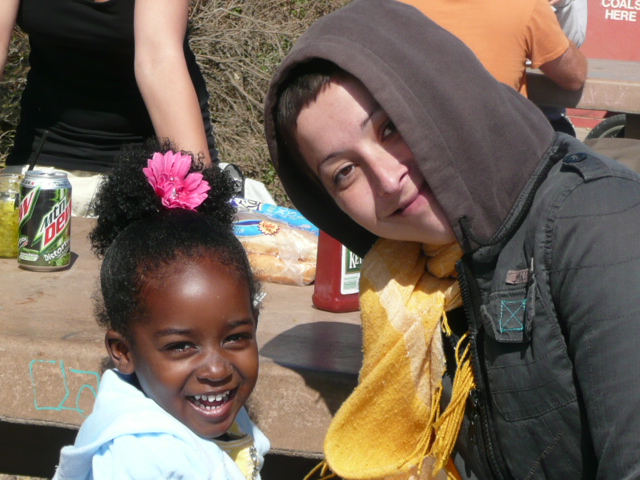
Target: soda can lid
46, 174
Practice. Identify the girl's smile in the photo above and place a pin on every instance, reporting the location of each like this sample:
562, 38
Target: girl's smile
214, 405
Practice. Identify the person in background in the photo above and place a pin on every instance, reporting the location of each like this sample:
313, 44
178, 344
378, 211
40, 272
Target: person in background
104, 74
507, 40
180, 306
499, 285
573, 17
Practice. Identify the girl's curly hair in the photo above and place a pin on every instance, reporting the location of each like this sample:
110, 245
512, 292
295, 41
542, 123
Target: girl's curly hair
139, 238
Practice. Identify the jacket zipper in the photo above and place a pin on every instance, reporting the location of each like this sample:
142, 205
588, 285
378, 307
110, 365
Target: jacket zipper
479, 413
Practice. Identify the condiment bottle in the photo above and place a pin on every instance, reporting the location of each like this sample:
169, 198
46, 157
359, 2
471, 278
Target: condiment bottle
337, 276
9, 218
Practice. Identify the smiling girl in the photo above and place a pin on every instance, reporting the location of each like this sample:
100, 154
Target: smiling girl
179, 305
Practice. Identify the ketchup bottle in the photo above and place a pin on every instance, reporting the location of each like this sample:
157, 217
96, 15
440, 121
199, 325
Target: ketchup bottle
337, 276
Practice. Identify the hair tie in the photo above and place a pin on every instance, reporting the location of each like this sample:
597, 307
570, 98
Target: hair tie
169, 176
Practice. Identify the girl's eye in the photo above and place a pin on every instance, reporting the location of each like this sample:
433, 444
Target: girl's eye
178, 347
239, 339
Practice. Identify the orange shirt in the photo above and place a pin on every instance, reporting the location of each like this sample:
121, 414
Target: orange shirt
503, 35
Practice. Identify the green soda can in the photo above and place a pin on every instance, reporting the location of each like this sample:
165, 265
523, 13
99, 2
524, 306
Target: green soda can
44, 239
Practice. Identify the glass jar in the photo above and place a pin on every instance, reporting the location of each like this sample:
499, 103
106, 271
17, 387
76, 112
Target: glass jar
9, 213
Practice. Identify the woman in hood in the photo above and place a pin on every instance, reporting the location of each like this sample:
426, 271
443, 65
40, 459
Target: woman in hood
500, 273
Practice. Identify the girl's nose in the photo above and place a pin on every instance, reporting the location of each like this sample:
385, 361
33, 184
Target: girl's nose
214, 368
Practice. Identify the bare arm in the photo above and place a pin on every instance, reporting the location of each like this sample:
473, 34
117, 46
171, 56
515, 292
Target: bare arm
8, 14
162, 74
569, 70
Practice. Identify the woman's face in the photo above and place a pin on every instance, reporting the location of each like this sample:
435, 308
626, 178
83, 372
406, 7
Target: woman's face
195, 352
366, 166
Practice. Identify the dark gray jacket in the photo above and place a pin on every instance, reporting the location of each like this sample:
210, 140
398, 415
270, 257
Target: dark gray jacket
550, 231
554, 317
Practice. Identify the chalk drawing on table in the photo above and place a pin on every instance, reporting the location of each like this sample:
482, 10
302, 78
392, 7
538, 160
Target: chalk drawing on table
56, 387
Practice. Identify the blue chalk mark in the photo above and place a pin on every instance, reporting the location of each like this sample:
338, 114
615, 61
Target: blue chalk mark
60, 406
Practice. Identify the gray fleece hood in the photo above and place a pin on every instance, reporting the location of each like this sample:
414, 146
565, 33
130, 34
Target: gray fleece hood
477, 142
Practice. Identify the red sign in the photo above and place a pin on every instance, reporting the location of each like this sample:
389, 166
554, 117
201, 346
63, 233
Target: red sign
613, 30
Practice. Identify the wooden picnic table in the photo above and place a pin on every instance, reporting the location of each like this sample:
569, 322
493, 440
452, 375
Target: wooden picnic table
612, 85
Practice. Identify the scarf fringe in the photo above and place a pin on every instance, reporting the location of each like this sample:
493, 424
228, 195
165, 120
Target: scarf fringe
442, 433
448, 424
323, 470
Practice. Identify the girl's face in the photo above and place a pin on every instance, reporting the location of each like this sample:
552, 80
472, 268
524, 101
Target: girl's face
195, 353
353, 147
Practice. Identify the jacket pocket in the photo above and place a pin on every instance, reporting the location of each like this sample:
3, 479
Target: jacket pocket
506, 316
528, 369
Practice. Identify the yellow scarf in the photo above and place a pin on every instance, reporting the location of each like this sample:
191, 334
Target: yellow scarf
391, 426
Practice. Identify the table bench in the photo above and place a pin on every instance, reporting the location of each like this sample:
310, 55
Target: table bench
612, 85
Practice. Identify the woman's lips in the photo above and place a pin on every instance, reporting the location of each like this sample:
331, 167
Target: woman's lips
414, 203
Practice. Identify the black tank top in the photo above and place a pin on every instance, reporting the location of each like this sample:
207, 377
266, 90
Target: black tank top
81, 85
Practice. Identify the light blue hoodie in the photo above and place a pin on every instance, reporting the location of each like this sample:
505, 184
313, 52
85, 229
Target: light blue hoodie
129, 436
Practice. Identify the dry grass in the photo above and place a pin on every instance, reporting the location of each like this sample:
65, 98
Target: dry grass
12, 82
239, 44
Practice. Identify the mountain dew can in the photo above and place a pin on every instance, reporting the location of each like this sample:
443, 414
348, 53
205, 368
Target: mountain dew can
44, 239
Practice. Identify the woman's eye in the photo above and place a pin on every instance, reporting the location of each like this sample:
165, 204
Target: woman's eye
342, 174
389, 129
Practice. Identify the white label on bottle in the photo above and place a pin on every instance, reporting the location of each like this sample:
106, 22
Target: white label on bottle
350, 272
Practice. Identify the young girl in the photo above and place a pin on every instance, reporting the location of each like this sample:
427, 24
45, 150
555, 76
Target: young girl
179, 305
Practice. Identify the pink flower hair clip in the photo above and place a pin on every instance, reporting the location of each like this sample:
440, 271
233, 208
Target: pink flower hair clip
169, 176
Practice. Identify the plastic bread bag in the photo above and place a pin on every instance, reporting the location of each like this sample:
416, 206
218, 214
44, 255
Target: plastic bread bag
281, 244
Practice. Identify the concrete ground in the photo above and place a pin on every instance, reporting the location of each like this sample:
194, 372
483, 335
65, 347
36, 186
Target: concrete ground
581, 134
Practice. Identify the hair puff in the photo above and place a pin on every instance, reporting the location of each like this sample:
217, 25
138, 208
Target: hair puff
125, 195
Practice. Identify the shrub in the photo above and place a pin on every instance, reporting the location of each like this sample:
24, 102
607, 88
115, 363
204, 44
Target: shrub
11, 84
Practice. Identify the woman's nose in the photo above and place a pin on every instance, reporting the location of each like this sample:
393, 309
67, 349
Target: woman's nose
386, 174
214, 368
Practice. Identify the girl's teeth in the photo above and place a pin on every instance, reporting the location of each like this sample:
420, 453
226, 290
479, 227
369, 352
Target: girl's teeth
217, 398
212, 398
